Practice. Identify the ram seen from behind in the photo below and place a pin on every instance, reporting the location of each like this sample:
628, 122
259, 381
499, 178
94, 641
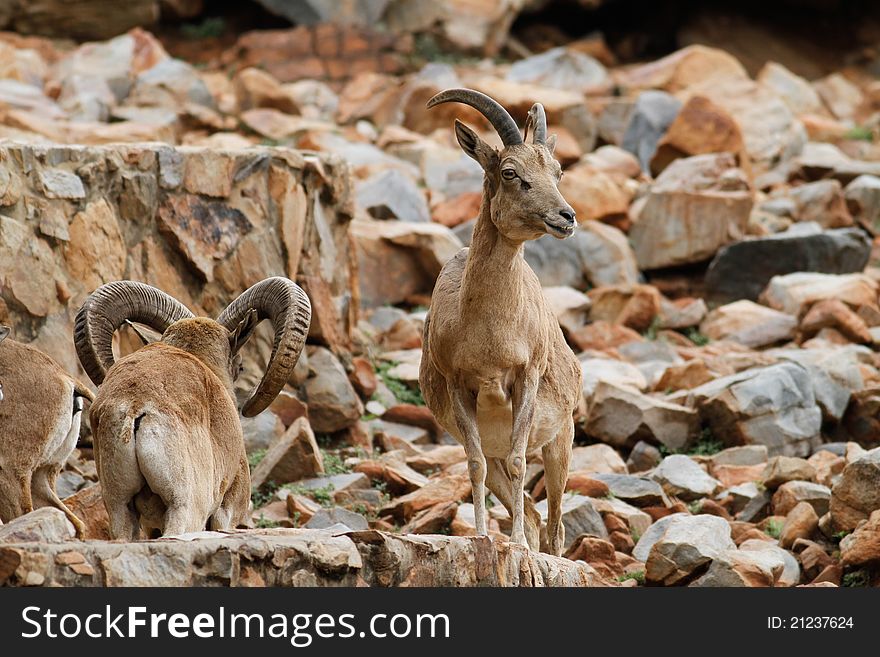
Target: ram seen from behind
40, 411
168, 440
496, 370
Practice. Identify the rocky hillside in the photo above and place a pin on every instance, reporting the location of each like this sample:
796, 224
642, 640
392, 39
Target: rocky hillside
721, 292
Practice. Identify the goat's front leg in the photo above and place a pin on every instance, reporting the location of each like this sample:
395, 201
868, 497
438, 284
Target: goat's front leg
464, 408
525, 394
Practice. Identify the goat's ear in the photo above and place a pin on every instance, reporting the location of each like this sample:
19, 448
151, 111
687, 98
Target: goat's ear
147, 336
4, 331
243, 331
551, 143
475, 147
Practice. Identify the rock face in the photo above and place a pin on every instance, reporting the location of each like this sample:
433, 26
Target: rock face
749, 324
743, 270
696, 206
290, 557
200, 224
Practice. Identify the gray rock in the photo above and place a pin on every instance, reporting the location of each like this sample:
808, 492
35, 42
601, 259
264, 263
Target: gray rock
677, 546
67, 483
757, 505
743, 269
261, 430
384, 317
311, 12
291, 457
681, 477
738, 568
773, 406
643, 457
792, 493
596, 458
863, 200
411, 434
782, 469
58, 183
326, 518
653, 113
834, 374
392, 194
579, 516
639, 491
791, 571
332, 400
44, 525
170, 83
621, 416
614, 120
336, 483
560, 68
742, 455
595, 255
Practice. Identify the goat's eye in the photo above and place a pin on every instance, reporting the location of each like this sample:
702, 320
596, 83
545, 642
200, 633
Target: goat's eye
508, 174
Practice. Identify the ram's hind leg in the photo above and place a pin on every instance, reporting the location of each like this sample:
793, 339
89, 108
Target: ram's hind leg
499, 483
43, 486
557, 455
233, 511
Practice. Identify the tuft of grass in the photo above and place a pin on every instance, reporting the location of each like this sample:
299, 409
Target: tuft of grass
263, 495
265, 523
322, 495
860, 132
773, 528
401, 391
705, 445
254, 458
639, 576
837, 537
333, 463
210, 28
856, 579
693, 334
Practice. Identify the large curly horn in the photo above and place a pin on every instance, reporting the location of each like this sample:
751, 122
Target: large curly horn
284, 303
107, 308
539, 121
499, 117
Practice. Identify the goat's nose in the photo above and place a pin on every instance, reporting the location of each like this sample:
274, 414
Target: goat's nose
567, 214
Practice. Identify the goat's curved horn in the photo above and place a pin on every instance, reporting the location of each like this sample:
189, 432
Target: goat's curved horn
499, 117
539, 121
107, 308
284, 303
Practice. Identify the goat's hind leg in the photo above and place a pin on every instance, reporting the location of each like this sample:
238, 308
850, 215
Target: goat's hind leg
499, 483
557, 454
43, 486
464, 408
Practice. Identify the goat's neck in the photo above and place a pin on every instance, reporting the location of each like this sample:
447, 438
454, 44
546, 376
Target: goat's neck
493, 271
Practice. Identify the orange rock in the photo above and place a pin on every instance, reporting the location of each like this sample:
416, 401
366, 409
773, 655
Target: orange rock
417, 416
634, 306
700, 127
734, 475
455, 211
601, 335
833, 313
598, 553
88, 505
363, 377
594, 194
684, 376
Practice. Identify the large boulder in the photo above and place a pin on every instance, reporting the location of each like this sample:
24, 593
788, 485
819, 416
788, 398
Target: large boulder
749, 324
743, 269
857, 494
791, 293
696, 206
677, 547
773, 406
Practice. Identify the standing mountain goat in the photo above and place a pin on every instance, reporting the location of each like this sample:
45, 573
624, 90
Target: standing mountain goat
496, 370
40, 415
168, 441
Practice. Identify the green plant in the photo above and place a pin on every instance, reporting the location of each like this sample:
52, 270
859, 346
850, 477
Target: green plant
693, 334
638, 576
856, 578
333, 463
839, 536
652, 330
773, 528
401, 391
265, 523
695, 507
322, 495
263, 495
211, 27
860, 132
254, 458
706, 444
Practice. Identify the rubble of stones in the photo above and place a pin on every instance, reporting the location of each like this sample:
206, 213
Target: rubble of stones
720, 291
